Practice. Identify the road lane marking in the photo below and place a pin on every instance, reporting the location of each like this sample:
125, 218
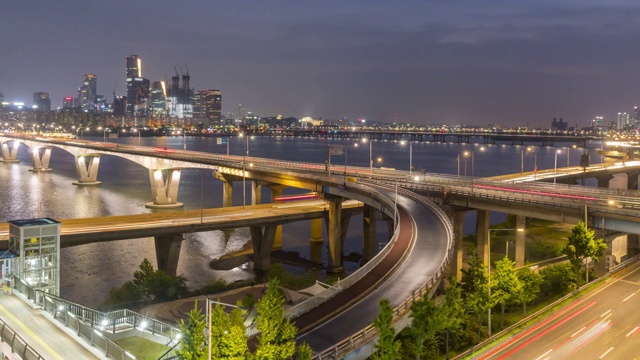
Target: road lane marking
545, 354
628, 297
632, 331
605, 353
31, 333
578, 332
605, 313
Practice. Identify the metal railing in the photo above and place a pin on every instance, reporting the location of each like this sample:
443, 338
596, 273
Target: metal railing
368, 333
17, 344
90, 325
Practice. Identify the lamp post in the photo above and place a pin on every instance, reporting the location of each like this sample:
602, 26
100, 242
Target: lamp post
535, 157
403, 142
209, 322
555, 166
489, 272
244, 169
365, 140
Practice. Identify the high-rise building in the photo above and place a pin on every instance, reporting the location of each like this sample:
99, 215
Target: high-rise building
180, 99
207, 104
622, 120
137, 88
119, 105
88, 93
68, 102
158, 98
41, 101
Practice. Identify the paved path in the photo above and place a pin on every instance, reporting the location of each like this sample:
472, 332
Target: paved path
49, 340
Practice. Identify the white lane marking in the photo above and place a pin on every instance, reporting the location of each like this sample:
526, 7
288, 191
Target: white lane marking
605, 353
578, 332
545, 354
628, 297
605, 313
632, 331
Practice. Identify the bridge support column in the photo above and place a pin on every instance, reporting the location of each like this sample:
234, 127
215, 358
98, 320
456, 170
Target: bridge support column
632, 181
482, 227
227, 188
455, 266
276, 190
633, 245
10, 154
87, 170
262, 241
164, 192
603, 181
368, 233
316, 241
520, 240
335, 236
168, 252
41, 159
256, 193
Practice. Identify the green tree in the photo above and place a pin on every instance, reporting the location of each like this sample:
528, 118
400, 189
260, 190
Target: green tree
387, 347
530, 281
475, 290
277, 334
304, 352
452, 313
157, 284
581, 245
557, 279
505, 285
422, 341
192, 341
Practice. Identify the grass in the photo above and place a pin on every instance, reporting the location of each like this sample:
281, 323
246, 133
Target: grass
142, 348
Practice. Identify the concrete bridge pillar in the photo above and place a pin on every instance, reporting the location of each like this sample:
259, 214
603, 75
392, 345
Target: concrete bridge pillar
520, 240
168, 252
603, 181
455, 266
482, 230
633, 245
632, 181
335, 235
41, 158
87, 167
10, 154
227, 188
276, 190
256, 193
262, 241
164, 192
368, 233
316, 241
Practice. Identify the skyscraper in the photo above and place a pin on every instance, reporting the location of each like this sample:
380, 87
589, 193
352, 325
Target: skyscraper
67, 102
623, 120
137, 88
88, 93
208, 104
41, 101
158, 98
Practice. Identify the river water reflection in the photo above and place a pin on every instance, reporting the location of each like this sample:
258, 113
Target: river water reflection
88, 272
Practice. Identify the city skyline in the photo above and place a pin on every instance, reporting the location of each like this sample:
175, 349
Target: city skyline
464, 63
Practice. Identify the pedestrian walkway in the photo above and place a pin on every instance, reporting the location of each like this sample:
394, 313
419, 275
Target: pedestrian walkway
51, 341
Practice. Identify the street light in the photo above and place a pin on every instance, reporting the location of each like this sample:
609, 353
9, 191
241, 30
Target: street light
365, 140
209, 322
555, 166
244, 169
489, 273
403, 142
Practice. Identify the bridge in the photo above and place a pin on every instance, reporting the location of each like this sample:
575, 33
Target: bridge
376, 190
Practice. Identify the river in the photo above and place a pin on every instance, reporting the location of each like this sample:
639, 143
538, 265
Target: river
88, 272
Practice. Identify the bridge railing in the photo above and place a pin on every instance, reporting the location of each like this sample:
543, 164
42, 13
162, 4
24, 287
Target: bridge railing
369, 333
90, 324
329, 293
17, 344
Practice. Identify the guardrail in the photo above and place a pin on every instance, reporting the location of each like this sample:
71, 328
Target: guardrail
509, 329
17, 344
90, 325
369, 333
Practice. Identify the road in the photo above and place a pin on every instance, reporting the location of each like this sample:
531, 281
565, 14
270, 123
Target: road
431, 241
75, 232
600, 325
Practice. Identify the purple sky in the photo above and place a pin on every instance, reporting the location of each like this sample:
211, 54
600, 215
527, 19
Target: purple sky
454, 62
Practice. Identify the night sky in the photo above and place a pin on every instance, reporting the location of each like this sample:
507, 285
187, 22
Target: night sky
430, 62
